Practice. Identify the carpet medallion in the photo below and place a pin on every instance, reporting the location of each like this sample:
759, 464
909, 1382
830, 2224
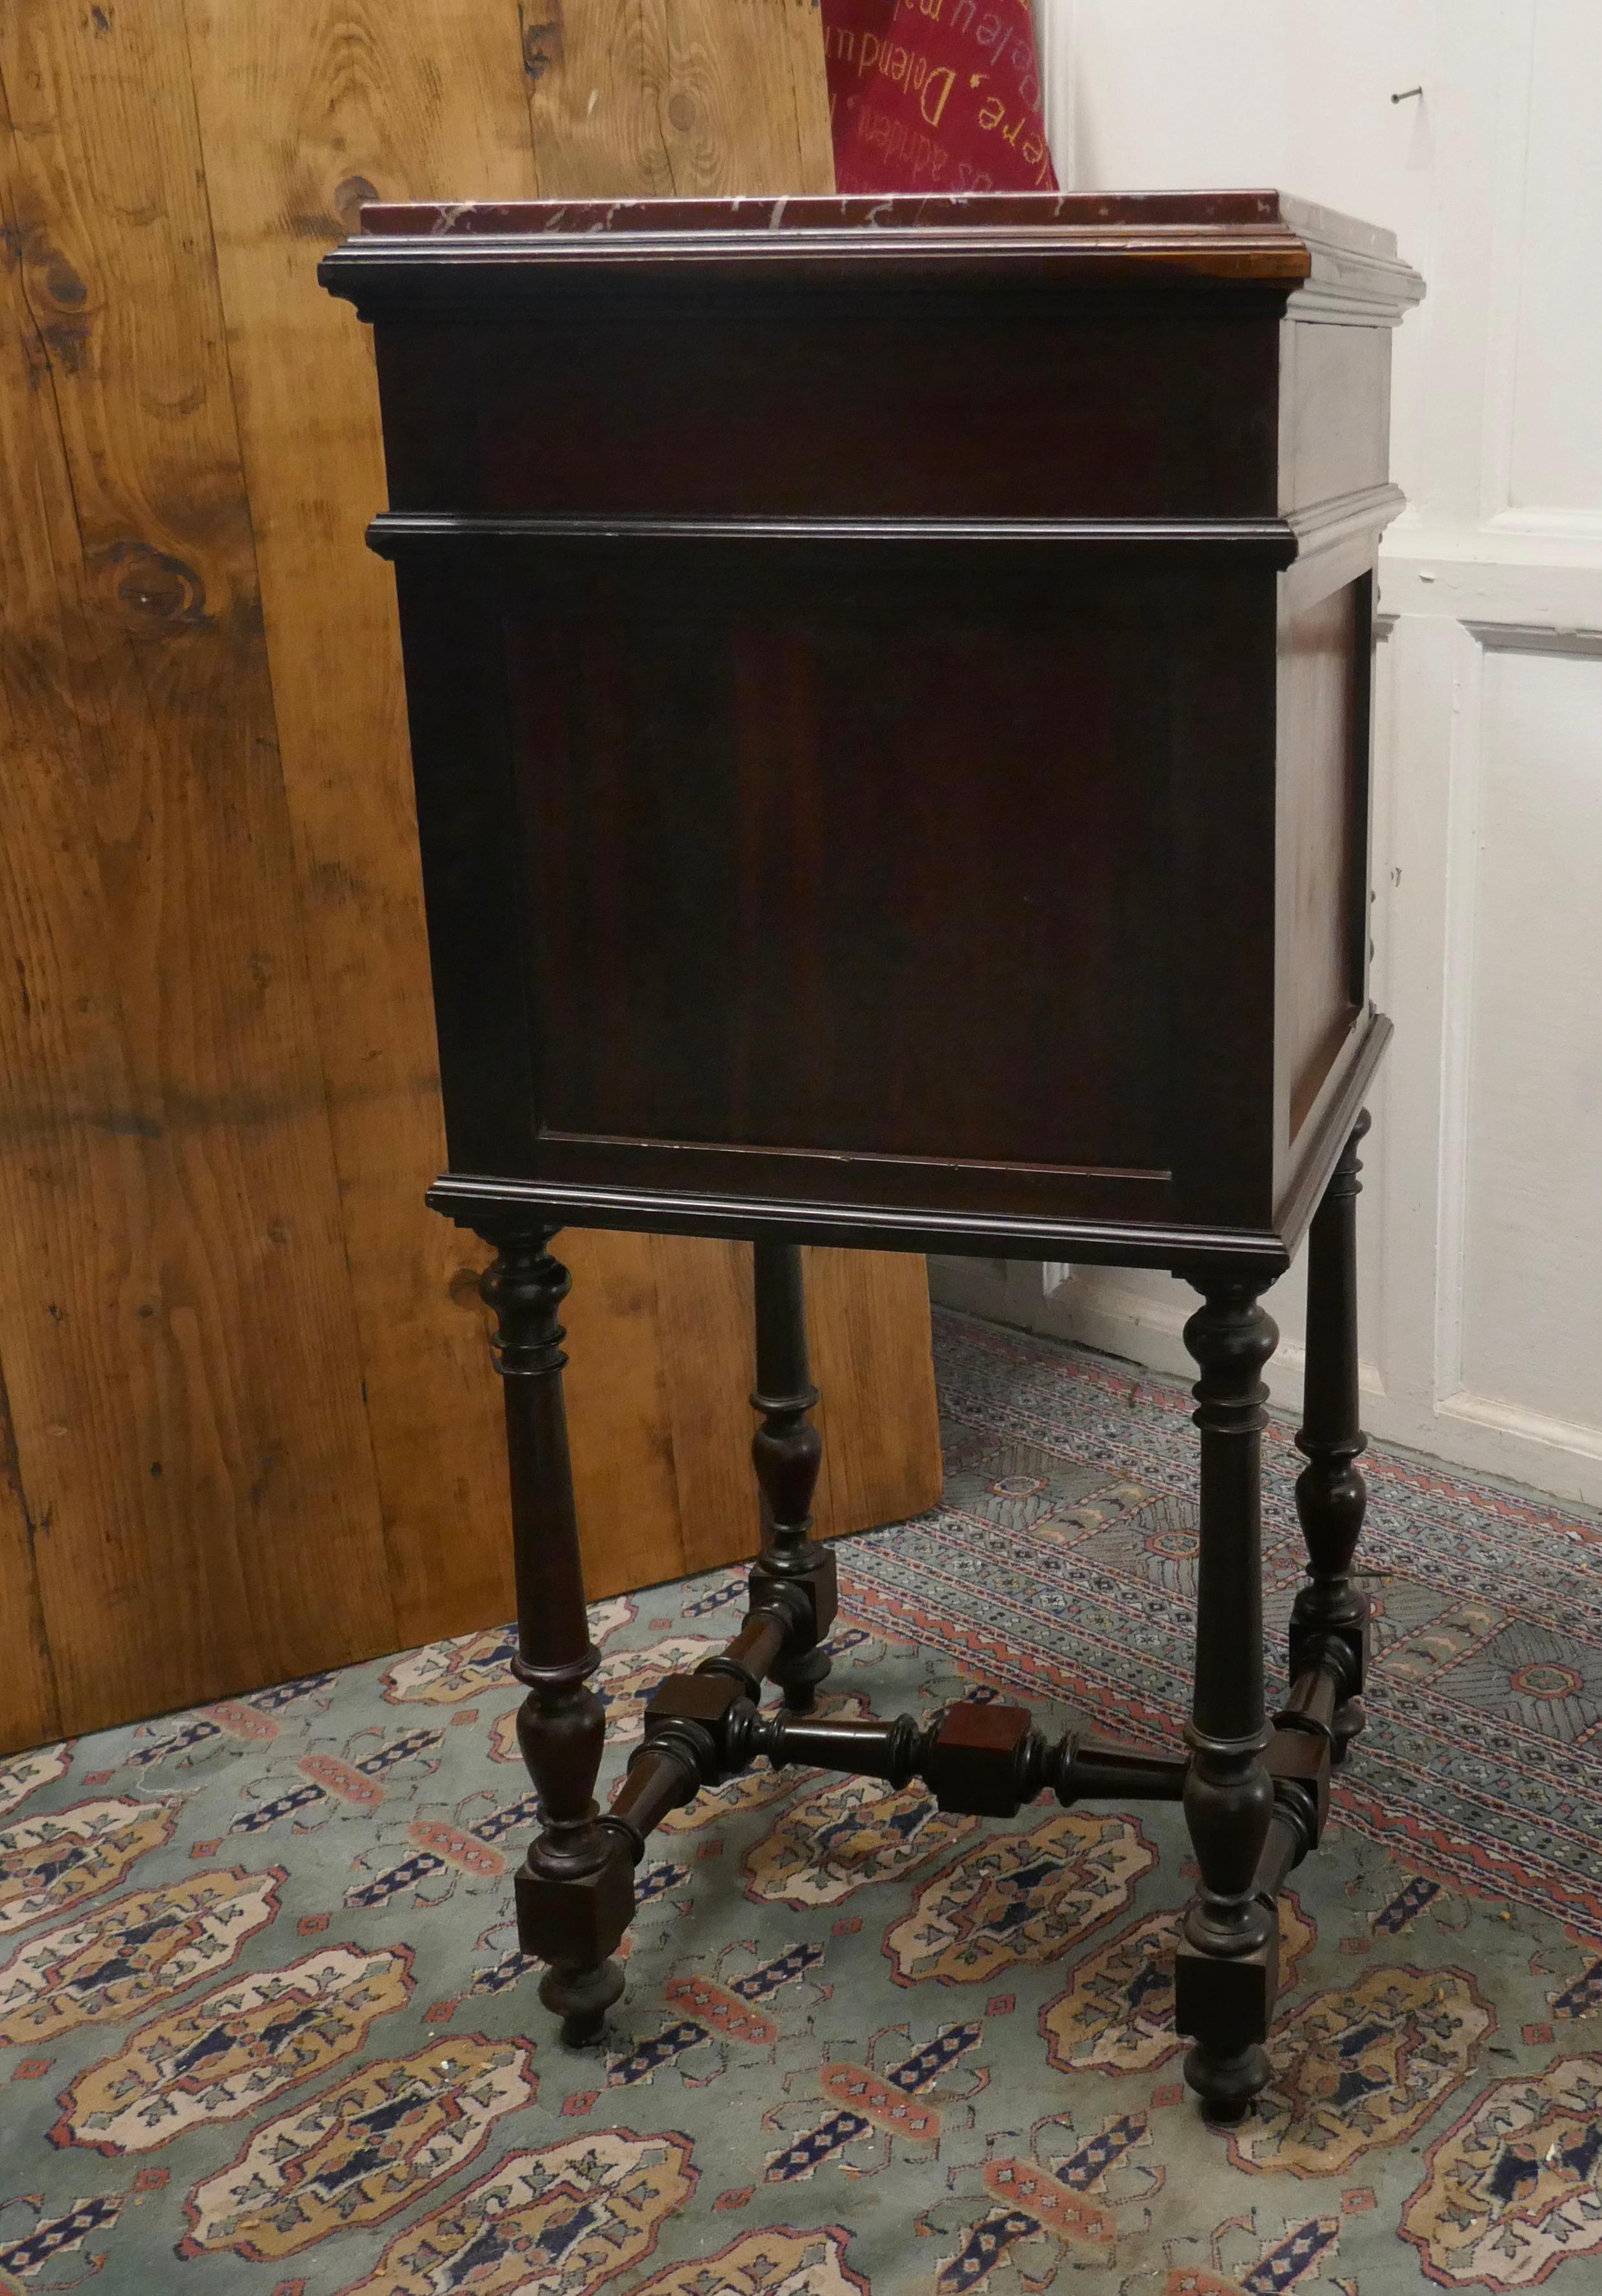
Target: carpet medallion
263, 2026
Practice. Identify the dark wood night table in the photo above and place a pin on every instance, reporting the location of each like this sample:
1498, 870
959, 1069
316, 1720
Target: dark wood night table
890, 701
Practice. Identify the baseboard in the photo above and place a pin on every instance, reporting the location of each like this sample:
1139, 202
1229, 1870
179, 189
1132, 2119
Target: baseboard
1116, 1323
1476, 1433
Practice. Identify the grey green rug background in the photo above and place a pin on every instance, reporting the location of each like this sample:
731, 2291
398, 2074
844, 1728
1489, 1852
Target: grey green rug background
263, 2026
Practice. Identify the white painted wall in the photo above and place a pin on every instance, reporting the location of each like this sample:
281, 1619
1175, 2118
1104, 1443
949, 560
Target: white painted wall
1482, 1210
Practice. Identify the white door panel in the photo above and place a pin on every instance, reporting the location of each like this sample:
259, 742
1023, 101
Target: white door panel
1481, 1215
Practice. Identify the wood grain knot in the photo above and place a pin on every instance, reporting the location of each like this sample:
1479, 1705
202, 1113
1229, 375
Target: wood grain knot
62, 282
543, 46
149, 590
463, 1286
349, 198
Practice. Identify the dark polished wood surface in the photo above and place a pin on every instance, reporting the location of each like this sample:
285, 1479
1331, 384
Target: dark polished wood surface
890, 696
889, 700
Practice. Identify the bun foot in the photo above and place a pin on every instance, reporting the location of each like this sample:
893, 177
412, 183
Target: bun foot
1227, 2085
581, 1998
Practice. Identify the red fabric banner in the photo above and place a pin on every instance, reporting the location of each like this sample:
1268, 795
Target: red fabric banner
935, 96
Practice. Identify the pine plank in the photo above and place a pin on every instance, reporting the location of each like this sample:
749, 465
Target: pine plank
180, 1346
304, 112
305, 109
618, 1388
868, 1334
868, 1324
38, 750
655, 97
254, 1426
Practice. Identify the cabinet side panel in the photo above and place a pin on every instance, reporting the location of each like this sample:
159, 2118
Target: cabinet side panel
1221, 936
1335, 400
1322, 837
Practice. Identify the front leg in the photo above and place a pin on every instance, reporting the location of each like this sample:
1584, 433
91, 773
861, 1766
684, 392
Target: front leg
1227, 1972
1330, 1620
574, 1893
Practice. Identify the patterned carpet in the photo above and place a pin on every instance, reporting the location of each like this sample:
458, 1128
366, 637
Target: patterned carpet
263, 2026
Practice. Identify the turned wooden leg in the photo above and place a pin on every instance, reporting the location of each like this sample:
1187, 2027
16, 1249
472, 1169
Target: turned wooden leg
574, 1893
1227, 1972
786, 1450
1330, 1491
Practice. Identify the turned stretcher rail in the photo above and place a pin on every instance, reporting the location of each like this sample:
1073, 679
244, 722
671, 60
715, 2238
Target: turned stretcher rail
975, 1758
984, 1760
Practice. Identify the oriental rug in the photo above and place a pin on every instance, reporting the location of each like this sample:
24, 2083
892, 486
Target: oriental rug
263, 2026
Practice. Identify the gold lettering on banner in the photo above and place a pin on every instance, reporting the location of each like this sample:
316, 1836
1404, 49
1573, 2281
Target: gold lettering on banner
908, 68
902, 66
992, 115
947, 79
882, 132
992, 33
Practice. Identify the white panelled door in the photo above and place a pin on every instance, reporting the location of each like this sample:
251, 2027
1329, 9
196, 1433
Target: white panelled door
1483, 1207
